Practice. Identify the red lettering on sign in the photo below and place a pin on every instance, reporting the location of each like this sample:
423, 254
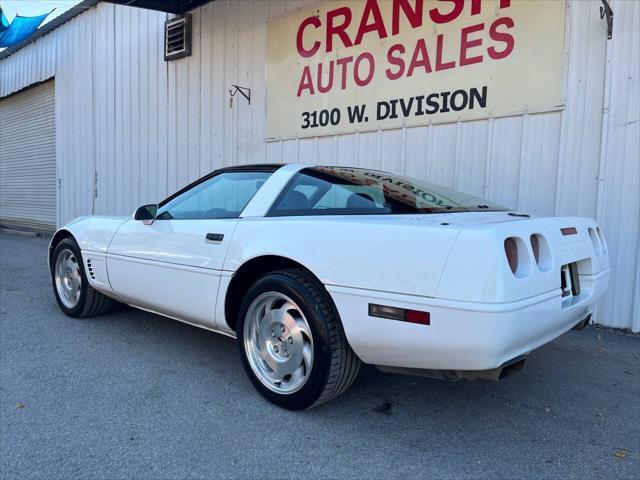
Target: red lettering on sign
420, 58
413, 15
466, 44
371, 8
310, 21
343, 63
475, 7
360, 81
425, 56
456, 10
339, 29
503, 37
440, 65
397, 61
327, 87
339, 20
306, 83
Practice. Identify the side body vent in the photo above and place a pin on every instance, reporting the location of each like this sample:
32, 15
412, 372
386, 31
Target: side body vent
96, 270
90, 269
177, 37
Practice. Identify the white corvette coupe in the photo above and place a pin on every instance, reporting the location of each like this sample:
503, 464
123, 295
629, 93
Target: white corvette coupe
317, 269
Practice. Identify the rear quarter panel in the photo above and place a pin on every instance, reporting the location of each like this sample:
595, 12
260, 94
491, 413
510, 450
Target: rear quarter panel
378, 253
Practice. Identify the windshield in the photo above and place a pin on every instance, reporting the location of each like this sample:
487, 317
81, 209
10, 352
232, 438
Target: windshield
355, 191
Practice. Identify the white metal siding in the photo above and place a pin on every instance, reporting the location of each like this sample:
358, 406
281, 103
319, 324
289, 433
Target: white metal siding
146, 127
619, 170
28, 159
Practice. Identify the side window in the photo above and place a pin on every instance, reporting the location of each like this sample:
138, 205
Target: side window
223, 196
316, 194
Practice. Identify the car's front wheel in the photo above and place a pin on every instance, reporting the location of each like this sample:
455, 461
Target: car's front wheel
292, 343
74, 295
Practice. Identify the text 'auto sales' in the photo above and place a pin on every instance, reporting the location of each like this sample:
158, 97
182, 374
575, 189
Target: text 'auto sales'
401, 60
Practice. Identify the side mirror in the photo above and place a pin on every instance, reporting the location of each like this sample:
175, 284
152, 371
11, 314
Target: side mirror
146, 213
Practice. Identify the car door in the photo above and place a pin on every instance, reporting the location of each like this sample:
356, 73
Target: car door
173, 264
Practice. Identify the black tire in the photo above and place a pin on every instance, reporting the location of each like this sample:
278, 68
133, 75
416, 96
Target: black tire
90, 302
335, 365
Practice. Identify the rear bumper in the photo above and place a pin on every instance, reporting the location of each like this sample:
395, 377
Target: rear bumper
462, 335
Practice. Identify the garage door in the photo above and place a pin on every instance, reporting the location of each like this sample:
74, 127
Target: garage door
28, 159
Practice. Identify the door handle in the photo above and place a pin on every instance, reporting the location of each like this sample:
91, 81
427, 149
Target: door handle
214, 237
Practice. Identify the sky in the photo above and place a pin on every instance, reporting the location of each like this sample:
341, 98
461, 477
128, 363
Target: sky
30, 8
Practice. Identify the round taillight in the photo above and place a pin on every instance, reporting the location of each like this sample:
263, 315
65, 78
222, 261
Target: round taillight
535, 246
541, 252
511, 251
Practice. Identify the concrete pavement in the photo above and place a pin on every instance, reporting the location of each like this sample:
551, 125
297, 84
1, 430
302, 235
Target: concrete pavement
135, 395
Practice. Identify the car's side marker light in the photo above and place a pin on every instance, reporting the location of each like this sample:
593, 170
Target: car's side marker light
401, 314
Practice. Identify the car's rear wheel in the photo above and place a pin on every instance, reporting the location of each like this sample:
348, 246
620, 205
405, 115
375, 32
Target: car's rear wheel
74, 295
292, 343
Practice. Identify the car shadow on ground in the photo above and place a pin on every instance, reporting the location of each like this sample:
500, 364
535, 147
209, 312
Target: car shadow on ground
535, 388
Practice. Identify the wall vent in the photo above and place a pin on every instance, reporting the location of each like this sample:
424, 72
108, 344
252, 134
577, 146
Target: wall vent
177, 37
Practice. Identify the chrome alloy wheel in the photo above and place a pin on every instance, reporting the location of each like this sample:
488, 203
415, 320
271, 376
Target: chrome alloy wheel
68, 278
278, 342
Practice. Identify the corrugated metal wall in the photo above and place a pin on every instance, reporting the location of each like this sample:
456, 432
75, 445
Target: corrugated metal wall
146, 127
618, 207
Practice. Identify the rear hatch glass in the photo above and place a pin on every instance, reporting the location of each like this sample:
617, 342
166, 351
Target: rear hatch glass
352, 191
